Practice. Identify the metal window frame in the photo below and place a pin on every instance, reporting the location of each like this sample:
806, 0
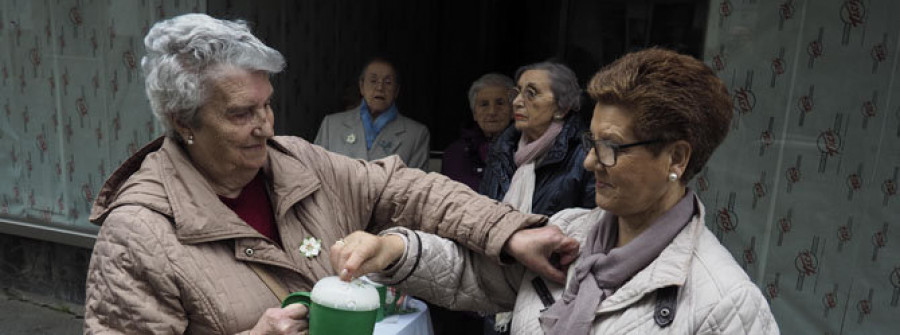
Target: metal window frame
73, 236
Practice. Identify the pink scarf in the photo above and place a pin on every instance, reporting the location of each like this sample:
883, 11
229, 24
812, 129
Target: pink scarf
521, 187
528, 152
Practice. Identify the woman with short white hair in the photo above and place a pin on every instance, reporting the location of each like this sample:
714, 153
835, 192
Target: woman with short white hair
205, 230
490, 102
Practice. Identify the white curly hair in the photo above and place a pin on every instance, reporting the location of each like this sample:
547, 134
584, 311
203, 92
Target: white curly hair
185, 52
491, 80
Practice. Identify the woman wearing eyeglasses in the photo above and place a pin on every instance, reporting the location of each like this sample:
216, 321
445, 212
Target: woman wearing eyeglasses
536, 165
647, 262
375, 129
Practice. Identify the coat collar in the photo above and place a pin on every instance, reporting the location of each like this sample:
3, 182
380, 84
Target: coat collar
566, 138
351, 119
508, 141
387, 141
670, 268
162, 178
292, 180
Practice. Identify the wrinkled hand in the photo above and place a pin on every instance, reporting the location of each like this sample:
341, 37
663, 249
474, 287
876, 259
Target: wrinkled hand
534, 248
278, 321
361, 253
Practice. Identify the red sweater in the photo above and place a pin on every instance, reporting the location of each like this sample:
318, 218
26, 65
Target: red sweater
253, 206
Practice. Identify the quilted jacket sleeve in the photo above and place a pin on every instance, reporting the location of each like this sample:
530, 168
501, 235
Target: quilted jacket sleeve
435, 204
743, 310
385, 193
444, 273
129, 285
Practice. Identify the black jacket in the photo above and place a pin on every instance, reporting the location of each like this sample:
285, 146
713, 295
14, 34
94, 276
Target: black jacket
560, 178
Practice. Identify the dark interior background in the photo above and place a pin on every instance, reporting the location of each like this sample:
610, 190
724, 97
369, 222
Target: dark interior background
440, 47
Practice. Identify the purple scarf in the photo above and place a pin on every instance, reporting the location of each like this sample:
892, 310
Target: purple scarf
603, 268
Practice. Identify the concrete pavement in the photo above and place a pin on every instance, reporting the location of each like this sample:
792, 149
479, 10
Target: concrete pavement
22, 313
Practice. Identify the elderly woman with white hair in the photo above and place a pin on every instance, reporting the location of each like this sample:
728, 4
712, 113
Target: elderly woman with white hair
490, 101
204, 230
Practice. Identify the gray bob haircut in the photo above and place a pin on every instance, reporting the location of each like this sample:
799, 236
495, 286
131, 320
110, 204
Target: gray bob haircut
185, 52
563, 83
491, 80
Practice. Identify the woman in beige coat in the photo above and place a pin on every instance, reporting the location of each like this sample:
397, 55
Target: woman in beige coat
648, 264
204, 230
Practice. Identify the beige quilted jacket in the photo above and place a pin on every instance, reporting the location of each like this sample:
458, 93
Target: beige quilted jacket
171, 258
715, 295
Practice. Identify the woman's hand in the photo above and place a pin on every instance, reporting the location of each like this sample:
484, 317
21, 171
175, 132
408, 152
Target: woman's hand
277, 321
534, 248
360, 253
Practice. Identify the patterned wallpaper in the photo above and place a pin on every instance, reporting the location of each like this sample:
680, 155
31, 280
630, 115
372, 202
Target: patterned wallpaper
804, 189
73, 104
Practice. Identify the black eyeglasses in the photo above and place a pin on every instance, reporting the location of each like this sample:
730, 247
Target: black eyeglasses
608, 151
386, 82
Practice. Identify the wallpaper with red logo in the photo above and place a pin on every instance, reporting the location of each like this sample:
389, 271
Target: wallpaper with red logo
804, 189
72, 103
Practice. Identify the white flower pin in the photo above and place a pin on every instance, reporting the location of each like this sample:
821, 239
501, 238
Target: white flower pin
351, 138
310, 247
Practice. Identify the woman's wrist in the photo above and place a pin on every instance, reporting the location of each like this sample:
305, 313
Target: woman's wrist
406, 264
395, 247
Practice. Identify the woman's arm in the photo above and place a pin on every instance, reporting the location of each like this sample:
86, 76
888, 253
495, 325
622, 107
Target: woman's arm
443, 272
384, 193
130, 288
436, 204
430, 267
743, 310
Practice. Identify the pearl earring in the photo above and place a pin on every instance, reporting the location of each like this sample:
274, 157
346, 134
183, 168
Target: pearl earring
673, 176
557, 116
190, 140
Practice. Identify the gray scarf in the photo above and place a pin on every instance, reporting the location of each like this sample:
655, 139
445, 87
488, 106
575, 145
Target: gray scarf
603, 269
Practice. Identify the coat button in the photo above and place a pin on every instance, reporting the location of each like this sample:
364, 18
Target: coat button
248, 251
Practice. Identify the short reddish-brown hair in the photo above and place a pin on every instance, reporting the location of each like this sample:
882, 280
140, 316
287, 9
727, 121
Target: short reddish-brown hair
671, 97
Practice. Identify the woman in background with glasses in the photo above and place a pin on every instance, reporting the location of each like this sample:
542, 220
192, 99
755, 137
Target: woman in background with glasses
536, 165
648, 264
375, 128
